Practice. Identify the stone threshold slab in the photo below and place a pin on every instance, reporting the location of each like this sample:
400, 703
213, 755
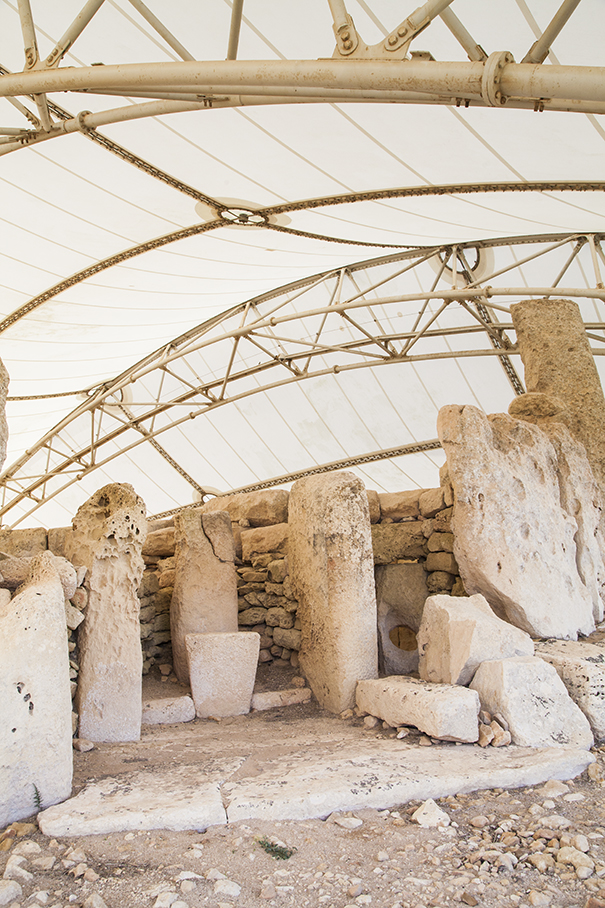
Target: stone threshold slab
373, 773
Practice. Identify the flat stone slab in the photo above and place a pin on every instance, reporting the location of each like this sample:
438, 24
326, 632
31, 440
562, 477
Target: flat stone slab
168, 711
269, 699
310, 781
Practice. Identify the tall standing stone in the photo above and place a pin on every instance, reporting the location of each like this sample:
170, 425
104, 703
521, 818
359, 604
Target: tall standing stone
518, 533
204, 600
35, 734
558, 362
109, 532
331, 568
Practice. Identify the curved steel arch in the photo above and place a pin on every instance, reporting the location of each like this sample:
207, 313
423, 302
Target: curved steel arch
293, 341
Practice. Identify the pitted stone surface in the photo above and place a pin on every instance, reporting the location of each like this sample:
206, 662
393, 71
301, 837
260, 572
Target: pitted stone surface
581, 667
15, 570
401, 592
457, 634
515, 541
332, 572
109, 532
443, 711
35, 740
533, 700
204, 599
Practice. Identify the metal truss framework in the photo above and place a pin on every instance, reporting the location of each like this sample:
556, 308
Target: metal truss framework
389, 71
364, 316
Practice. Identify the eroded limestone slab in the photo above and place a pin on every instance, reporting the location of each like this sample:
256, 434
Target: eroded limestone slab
35, 741
331, 568
261, 509
222, 669
443, 711
529, 694
515, 541
401, 592
581, 667
204, 599
457, 634
109, 532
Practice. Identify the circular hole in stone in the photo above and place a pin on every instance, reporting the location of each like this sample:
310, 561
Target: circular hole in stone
403, 638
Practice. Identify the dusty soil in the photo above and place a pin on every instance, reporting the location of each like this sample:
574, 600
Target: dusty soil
386, 861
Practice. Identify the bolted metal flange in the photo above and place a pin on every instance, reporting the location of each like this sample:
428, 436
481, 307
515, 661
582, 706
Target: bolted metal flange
492, 74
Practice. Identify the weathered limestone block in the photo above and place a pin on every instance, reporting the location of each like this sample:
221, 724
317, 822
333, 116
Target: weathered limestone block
331, 569
515, 542
168, 711
458, 634
204, 599
374, 505
15, 571
401, 592
431, 502
261, 509
440, 710
288, 637
400, 505
109, 532
270, 699
581, 667
222, 671
264, 539
160, 543
558, 362
35, 740
441, 561
23, 543
531, 697
57, 539
391, 541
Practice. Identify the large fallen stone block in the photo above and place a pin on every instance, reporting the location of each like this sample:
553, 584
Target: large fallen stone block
222, 670
204, 598
443, 711
516, 542
331, 568
581, 667
401, 592
35, 739
261, 509
391, 541
457, 634
528, 693
109, 532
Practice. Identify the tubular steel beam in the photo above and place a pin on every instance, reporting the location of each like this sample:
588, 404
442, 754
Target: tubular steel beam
540, 49
73, 32
234, 29
161, 29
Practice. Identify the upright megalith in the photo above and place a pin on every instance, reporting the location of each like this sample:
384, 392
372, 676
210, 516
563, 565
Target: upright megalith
332, 573
204, 599
558, 363
35, 709
524, 530
109, 532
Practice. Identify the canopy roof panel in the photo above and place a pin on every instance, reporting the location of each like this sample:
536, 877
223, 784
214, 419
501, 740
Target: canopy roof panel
146, 244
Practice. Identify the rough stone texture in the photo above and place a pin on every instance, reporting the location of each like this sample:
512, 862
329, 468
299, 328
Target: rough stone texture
581, 667
14, 571
57, 540
331, 568
168, 711
35, 739
374, 505
160, 543
401, 592
399, 505
23, 543
430, 502
204, 599
4, 380
288, 637
531, 697
270, 699
260, 540
391, 541
557, 359
515, 542
109, 532
441, 710
458, 634
222, 669
260, 509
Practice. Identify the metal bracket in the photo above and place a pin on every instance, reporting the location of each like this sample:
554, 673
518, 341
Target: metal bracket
347, 39
492, 74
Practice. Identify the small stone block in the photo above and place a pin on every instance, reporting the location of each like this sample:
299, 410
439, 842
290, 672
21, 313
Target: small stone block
222, 670
272, 698
168, 711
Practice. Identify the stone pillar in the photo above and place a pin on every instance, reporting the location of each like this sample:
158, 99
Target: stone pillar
4, 379
558, 363
35, 735
332, 573
109, 532
204, 600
